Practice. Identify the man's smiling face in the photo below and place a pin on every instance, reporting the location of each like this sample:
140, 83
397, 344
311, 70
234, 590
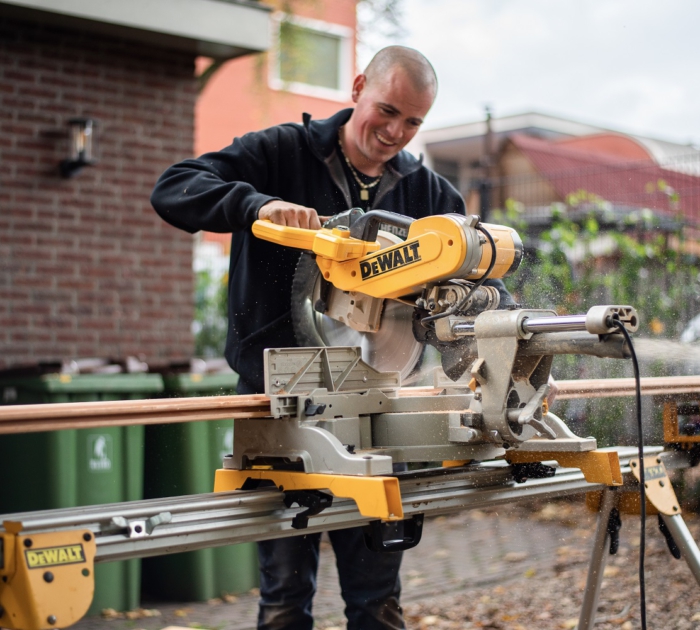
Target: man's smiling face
388, 113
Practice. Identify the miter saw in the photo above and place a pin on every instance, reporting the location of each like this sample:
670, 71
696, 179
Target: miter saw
365, 303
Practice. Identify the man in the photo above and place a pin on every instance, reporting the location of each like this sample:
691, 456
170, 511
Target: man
296, 175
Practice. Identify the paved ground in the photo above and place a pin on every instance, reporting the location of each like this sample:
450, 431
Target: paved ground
457, 553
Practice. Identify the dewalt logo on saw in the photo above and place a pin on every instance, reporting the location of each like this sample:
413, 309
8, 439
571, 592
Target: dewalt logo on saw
54, 556
388, 260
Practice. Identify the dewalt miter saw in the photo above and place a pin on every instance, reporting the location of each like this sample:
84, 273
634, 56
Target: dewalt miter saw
362, 284
365, 303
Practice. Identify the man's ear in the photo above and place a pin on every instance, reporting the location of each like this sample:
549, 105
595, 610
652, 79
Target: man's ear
357, 86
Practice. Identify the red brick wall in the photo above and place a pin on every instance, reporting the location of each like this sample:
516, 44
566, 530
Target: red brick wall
87, 268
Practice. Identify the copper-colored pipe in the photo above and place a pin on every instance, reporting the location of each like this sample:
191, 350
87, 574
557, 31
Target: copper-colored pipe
83, 415
612, 387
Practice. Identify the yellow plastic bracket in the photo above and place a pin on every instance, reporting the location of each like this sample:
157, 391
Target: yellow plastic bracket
376, 497
659, 491
335, 244
596, 466
48, 579
455, 463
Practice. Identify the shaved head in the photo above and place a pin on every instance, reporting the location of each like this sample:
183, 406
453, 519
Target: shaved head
392, 98
416, 67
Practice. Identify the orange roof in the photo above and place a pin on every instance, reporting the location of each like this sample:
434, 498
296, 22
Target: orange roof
612, 144
611, 176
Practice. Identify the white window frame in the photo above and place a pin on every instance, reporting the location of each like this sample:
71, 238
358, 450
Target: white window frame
345, 71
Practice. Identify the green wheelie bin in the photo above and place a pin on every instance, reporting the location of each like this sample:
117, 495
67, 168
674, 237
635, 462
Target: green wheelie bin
181, 460
74, 467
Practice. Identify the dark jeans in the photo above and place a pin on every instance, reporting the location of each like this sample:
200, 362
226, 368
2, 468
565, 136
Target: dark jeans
369, 582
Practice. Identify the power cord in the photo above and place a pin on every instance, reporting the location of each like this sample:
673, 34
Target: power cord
642, 491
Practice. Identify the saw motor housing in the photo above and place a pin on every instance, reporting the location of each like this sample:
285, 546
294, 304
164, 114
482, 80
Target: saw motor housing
437, 249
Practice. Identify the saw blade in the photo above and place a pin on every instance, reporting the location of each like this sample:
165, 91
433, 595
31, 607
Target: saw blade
393, 348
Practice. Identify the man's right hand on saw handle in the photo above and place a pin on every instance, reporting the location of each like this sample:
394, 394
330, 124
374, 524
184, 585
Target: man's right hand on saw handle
291, 214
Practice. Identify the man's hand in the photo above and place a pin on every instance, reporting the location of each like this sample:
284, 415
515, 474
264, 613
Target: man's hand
291, 214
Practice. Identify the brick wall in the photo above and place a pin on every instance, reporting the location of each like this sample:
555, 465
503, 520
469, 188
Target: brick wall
87, 268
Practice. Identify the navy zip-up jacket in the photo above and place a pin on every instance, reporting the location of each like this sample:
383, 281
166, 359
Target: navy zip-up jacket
223, 191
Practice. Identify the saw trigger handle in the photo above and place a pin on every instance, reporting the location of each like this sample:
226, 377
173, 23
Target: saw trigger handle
298, 238
334, 244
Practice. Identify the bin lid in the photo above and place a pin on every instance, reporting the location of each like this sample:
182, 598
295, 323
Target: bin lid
88, 383
200, 383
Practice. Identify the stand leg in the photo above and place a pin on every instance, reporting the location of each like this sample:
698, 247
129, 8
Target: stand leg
596, 567
689, 548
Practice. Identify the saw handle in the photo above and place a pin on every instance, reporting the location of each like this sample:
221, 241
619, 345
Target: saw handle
335, 244
298, 238
366, 227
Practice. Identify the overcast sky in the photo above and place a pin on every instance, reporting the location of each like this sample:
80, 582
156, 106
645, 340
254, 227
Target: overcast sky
632, 65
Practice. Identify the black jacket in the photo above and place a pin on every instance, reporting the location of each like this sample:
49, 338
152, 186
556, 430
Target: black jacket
223, 191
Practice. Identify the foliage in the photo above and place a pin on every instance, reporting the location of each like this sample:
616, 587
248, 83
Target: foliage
577, 264
384, 16
211, 314
588, 256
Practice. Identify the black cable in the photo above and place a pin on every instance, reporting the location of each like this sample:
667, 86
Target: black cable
475, 286
642, 490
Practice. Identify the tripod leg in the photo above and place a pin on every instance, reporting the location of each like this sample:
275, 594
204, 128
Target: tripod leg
689, 548
596, 567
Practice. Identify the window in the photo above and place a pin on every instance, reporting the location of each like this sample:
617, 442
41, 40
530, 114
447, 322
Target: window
311, 57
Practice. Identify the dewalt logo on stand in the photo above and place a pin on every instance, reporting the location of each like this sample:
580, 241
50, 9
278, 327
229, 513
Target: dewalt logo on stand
54, 556
100, 452
390, 259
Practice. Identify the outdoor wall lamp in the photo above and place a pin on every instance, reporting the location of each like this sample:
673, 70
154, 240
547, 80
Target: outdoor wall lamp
82, 146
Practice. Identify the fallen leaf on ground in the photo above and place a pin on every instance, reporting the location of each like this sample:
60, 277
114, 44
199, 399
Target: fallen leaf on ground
110, 613
515, 556
182, 612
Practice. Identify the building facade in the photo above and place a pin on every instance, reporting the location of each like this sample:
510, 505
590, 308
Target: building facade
87, 267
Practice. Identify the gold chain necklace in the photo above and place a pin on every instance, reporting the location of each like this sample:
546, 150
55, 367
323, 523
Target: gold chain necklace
364, 188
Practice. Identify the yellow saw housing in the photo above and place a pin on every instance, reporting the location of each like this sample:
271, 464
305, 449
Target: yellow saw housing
437, 248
